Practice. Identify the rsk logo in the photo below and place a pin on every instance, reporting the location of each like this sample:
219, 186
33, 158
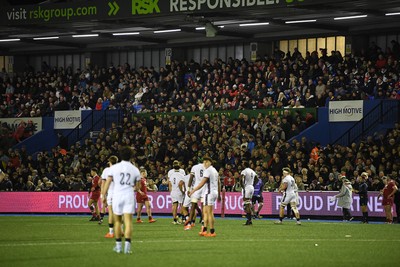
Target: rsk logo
143, 7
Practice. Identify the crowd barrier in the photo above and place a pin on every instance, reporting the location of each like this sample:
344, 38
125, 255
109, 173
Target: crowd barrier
310, 203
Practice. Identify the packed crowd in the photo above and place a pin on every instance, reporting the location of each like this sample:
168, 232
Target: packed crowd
157, 142
278, 81
275, 81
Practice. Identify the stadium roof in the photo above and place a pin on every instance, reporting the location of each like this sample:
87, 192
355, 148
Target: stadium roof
29, 19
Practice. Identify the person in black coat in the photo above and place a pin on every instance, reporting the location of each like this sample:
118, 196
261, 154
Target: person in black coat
363, 193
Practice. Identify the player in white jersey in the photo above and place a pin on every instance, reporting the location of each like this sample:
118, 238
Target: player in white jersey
288, 188
247, 182
175, 163
176, 191
103, 178
125, 176
184, 184
107, 197
196, 176
211, 193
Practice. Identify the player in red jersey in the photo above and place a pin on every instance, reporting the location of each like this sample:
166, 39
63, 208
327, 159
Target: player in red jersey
142, 198
388, 195
94, 195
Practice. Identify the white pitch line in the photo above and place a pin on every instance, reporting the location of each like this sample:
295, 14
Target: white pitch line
66, 224
200, 239
47, 243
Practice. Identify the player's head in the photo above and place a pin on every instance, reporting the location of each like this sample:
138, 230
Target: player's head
125, 153
94, 171
385, 179
143, 172
207, 161
176, 165
113, 159
286, 171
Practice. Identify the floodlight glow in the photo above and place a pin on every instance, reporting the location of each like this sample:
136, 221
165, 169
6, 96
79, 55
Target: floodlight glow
46, 38
125, 33
392, 14
300, 21
84, 35
351, 17
166, 31
10, 40
254, 24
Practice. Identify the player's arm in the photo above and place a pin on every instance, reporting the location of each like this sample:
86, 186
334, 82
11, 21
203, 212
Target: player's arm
107, 184
169, 186
283, 186
200, 185
242, 181
191, 179
102, 189
90, 190
342, 192
138, 187
182, 186
103, 182
394, 189
96, 182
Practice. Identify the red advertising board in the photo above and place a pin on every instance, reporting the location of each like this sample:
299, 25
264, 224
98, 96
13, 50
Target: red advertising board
310, 203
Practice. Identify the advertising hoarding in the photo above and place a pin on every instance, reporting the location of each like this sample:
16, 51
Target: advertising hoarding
310, 203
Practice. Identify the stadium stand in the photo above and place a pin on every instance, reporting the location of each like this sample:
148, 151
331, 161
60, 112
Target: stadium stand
286, 82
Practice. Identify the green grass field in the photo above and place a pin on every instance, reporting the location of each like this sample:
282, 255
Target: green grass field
74, 241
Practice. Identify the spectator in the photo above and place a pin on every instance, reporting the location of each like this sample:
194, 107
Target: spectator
6, 184
228, 180
163, 186
271, 185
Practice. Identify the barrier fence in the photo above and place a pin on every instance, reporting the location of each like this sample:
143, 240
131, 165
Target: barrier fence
310, 203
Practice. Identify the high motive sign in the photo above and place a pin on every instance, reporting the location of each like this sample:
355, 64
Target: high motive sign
342, 111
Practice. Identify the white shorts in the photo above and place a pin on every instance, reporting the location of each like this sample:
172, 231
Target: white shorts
248, 191
288, 198
209, 199
197, 196
186, 201
123, 204
177, 197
